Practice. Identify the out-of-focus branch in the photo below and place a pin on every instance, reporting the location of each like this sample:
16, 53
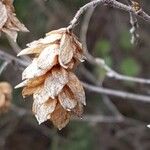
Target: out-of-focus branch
14, 45
118, 116
100, 62
112, 73
93, 119
112, 3
117, 93
20, 111
3, 67
101, 119
16, 48
83, 35
88, 118
9, 58
130, 130
105, 98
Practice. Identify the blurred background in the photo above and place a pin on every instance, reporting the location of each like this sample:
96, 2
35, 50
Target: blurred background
110, 123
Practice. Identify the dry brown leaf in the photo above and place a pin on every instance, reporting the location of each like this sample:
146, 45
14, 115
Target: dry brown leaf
66, 50
60, 117
76, 87
42, 112
66, 99
55, 81
48, 57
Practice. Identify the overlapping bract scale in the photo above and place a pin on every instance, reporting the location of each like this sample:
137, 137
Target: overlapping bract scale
57, 92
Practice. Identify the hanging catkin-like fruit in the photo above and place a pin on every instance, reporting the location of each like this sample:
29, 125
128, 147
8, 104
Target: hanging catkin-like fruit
57, 92
9, 23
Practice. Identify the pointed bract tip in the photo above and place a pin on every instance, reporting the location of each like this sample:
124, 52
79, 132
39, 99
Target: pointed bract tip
22, 84
23, 52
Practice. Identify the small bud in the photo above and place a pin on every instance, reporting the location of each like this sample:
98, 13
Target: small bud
136, 5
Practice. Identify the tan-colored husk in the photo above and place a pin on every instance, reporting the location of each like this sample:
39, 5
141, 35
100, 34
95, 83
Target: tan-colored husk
9, 23
57, 92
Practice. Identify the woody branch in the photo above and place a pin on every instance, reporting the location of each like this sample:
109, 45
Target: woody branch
113, 3
110, 72
97, 61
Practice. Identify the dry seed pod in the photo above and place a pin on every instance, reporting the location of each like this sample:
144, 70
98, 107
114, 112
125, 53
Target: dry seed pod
9, 23
57, 92
5, 96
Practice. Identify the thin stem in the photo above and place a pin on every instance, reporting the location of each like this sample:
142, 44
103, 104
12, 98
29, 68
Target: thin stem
112, 3
117, 93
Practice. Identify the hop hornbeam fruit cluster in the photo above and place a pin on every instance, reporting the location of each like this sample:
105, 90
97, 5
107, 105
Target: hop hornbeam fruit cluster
5, 96
9, 23
57, 92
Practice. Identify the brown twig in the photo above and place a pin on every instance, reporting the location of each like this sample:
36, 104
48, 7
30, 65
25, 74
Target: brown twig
112, 3
112, 73
9, 58
97, 61
105, 98
124, 95
16, 48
